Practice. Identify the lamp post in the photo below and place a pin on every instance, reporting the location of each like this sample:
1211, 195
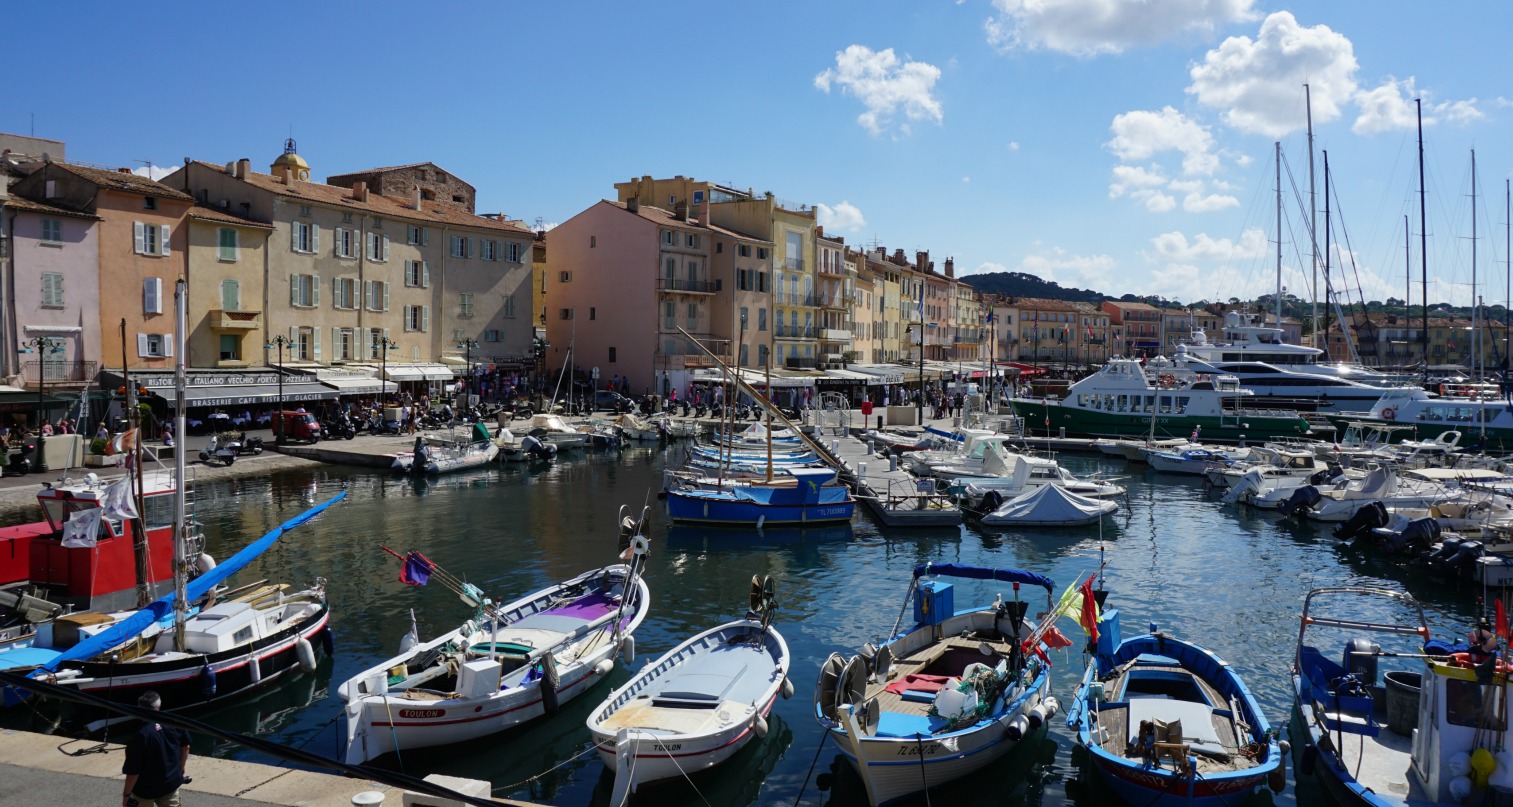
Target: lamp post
279, 342
468, 345
385, 344
43, 346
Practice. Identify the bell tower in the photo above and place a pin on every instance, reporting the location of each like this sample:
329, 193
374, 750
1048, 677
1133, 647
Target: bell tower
291, 164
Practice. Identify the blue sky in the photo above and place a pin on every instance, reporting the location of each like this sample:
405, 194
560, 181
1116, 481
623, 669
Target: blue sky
1121, 145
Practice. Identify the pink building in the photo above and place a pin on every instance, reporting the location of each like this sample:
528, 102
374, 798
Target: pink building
54, 295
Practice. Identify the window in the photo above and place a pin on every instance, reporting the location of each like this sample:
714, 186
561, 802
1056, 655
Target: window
150, 239
745, 355
668, 238
491, 336
346, 218
693, 316
150, 203
345, 291
52, 289
761, 355
762, 253
304, 210
228, 246
52, 231
698, 197
743, 318
346, 242
460, 246
152, 295
378, 295
719, 247
669, 315
343, 344
515, 253
489, 249
306, 344
417, 274
593, 241
304, 236
566, 313
375, 342
743, 250
611, 355
509, 307
761, 319
154, 345
417, 236
417, 318
304, 291
691, 240
465, 304
378, 247
693, 271
231, 347
378, 223
592, 313
231, 295
564, 277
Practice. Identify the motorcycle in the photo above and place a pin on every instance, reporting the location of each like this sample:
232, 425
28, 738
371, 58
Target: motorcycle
377, 425
340, 427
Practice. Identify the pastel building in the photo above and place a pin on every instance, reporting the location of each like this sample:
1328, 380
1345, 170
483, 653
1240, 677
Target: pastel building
52, 293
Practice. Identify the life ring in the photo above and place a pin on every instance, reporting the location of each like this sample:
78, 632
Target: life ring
1464, 660
1168, 380
1389, 413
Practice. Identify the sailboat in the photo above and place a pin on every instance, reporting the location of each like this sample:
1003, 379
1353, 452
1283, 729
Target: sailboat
189, 649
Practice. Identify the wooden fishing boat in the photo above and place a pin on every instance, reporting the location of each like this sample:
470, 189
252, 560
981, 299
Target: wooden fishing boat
699, 704
811, 501
948, 696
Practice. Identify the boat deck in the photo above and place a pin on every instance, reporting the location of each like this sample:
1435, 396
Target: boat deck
890, 493
1213, 736
948, 657
1382, 762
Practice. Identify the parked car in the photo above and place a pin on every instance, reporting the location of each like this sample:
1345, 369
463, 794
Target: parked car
605, 400
300, 426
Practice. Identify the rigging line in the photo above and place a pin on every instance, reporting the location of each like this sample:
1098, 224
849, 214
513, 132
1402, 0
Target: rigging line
817, 749
674, 758
1349, 250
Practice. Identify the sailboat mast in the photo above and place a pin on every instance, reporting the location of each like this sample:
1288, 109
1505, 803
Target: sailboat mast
1407, 275
1279, 232
180, 520
1423, 239
770, 404
1507, 311
1313, 215
138, 530
1328, 286
1475, 300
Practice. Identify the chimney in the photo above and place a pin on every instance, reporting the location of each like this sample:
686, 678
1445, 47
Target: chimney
283, 173
231, 168
633, 204
125, 171
898, 257
950, 267
417, 197
680, 210
922, 260
819, 230
360, 191
243, 168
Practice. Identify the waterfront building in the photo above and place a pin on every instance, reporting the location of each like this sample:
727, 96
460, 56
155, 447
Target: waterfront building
1048, 330
1137, 327
967, 312
866, 314
226, 255
1094, 333
1004, 330
836, 284
893, 312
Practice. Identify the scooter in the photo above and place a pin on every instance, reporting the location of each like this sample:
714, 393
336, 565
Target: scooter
223, 448
377, 425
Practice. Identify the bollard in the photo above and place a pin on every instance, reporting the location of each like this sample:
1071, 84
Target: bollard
871, 448
861, 470
879, 422
1063, 432
893, 462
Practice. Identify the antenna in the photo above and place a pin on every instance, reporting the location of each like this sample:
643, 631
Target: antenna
147, 163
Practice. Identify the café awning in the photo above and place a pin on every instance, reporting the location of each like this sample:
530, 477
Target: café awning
418, 372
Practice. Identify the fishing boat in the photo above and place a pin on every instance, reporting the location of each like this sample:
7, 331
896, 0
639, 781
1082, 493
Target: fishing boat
1120, 401
1277, 460
552, 430
811, 501
1049, 506
433, 456
644, 430
1163, 721
698, 704
509, 664
950, 695
757, 436
1424, 731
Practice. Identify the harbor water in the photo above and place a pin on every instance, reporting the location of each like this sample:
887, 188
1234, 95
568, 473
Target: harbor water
1230, 579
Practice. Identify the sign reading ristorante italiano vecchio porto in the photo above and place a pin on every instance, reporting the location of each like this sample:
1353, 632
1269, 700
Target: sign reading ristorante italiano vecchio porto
157, 380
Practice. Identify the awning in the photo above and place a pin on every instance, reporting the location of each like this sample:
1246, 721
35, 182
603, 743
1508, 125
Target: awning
880, 373
845, 378
227, 396
418, 372
351, 381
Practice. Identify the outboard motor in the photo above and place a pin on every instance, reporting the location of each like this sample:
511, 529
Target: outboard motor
1304, 497
1464, 559
1434, 558
422, 458
1360, 659
991, 501
1420, 534
537, 450
1363, 522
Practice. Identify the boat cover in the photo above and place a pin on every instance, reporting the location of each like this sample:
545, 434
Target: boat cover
984, 573
1050, 504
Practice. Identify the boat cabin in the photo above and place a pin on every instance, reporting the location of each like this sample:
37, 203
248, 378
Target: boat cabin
222, 627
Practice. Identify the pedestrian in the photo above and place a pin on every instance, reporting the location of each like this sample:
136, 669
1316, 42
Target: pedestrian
101, 433
156, 758
47, 429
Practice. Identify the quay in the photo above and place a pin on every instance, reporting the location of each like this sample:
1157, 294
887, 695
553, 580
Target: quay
47, 769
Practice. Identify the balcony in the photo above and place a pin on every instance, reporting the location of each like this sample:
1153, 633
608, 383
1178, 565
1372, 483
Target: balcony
60, 372
685, 286
800, 300
800, 362
833, 269
793, 264
223, 320
793, 332
835, 335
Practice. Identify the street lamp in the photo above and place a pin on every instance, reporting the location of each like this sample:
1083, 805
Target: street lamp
468, 345
919, 403
280, 342
385, 344
43, 346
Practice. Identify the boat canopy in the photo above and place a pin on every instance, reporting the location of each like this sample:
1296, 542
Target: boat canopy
162, 608
985, 573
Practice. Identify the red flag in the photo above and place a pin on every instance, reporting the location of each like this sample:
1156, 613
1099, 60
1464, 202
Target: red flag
1089, 616
1502, 620
1054, 638
1034, 647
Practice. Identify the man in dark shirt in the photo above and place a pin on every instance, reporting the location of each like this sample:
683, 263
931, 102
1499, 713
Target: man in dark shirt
155, 760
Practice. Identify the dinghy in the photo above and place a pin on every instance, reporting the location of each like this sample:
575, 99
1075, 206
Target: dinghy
511, 664
1050, 506
443, 457
699, 704
946, 697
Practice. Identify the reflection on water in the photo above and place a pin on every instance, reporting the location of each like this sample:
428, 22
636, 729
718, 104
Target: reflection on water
1232, 580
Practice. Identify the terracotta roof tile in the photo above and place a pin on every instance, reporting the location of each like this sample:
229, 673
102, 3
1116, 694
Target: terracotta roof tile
122, 181
19, 203
204, 213
431, 212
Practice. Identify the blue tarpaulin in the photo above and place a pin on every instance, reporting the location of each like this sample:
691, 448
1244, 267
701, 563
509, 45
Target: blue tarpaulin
985, 573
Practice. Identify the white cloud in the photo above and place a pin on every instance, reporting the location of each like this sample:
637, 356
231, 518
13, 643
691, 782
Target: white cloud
1013, 145
1257, 84
1091, 27
153, 172
1083, 271
1156, 202
1389, 106
886, 86
844, 217
1132, 179
1175, 246
1208, 202
1141, 135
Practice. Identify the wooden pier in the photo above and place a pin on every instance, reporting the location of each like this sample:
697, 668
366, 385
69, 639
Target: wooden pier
892, 494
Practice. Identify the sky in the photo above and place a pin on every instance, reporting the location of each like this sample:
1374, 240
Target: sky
1123, 146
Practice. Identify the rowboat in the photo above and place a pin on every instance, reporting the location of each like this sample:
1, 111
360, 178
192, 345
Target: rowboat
810, 501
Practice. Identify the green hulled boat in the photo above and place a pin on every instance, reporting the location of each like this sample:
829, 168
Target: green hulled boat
1121, 400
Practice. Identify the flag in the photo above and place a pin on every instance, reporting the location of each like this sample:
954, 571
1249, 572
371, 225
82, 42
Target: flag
990, 317
1054, 638
920, 306
1070, 603
82, 528
116, 501
1089, 611
1032, 646
1502, 620
416, 570
1090, 332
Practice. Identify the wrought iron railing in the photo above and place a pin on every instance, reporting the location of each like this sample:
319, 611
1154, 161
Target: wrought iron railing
61, 372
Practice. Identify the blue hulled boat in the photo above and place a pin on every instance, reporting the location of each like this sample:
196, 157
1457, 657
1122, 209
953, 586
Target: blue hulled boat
808, 502
1163, 721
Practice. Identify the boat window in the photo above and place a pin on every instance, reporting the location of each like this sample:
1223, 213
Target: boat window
157, 511
1150, 403
1108, 403
1166, 404
1182, 404
1081, 399
1466, 700
1123, 403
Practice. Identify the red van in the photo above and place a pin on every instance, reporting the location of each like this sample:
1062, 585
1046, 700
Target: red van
300, 426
